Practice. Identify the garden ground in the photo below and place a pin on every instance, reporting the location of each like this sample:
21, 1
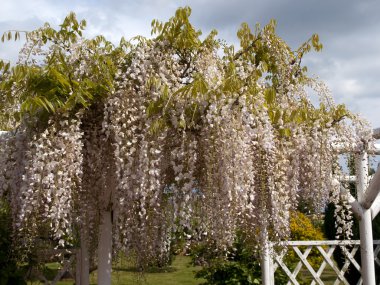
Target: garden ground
180, 272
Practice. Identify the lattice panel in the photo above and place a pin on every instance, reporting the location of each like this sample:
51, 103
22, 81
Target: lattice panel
326, 250
67, 265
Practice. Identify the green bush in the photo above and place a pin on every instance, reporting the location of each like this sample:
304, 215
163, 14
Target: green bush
227, 272
10, 273
302, 228
240, 265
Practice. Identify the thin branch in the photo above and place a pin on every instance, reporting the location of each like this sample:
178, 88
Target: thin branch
247, 49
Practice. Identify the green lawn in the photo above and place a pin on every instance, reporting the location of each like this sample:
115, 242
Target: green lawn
180, 272
328, 276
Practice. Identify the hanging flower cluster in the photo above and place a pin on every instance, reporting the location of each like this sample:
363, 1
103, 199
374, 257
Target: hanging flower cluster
171, 137
42, 172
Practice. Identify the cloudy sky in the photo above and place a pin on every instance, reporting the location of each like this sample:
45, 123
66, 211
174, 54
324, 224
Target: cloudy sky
348, 29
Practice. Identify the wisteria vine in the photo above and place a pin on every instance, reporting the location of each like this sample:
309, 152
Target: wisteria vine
169, 135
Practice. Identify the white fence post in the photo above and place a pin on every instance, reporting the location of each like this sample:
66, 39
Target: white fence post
365, 224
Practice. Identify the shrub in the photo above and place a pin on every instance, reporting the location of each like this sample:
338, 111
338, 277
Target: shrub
240, 265
9, 271
302, 228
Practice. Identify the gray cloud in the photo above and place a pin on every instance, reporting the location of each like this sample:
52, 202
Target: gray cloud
349, 62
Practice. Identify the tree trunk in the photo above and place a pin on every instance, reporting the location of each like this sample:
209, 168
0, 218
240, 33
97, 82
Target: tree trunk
105, 249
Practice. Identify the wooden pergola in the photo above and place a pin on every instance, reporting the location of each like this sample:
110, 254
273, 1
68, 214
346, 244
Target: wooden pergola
365, 207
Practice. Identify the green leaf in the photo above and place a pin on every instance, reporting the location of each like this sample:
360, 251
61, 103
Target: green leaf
293, 115
157, 125
304, 115
60, 78
264, 66
153, 108
270, 95
340, 112
182, 124
277, 117
6, 67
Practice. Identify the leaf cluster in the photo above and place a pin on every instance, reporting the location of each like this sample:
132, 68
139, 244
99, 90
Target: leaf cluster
271, 69
60, 72
63, 72
178, 32
239, 266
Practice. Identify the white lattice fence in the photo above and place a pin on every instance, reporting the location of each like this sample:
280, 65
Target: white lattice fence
326, 249
67, 264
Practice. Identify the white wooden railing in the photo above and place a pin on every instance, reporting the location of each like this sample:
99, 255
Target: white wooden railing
67, 264
326, 250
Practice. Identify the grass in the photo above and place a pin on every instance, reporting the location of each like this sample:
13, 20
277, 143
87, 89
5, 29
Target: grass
328, 276
179, 273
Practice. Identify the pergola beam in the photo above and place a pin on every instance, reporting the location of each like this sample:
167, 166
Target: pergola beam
356, 208
365, 223
375, 150
375, 208
372, 191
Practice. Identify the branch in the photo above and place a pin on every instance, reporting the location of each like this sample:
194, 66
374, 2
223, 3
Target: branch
357, 209
372, 191
375, 208
335, 121
243, 51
